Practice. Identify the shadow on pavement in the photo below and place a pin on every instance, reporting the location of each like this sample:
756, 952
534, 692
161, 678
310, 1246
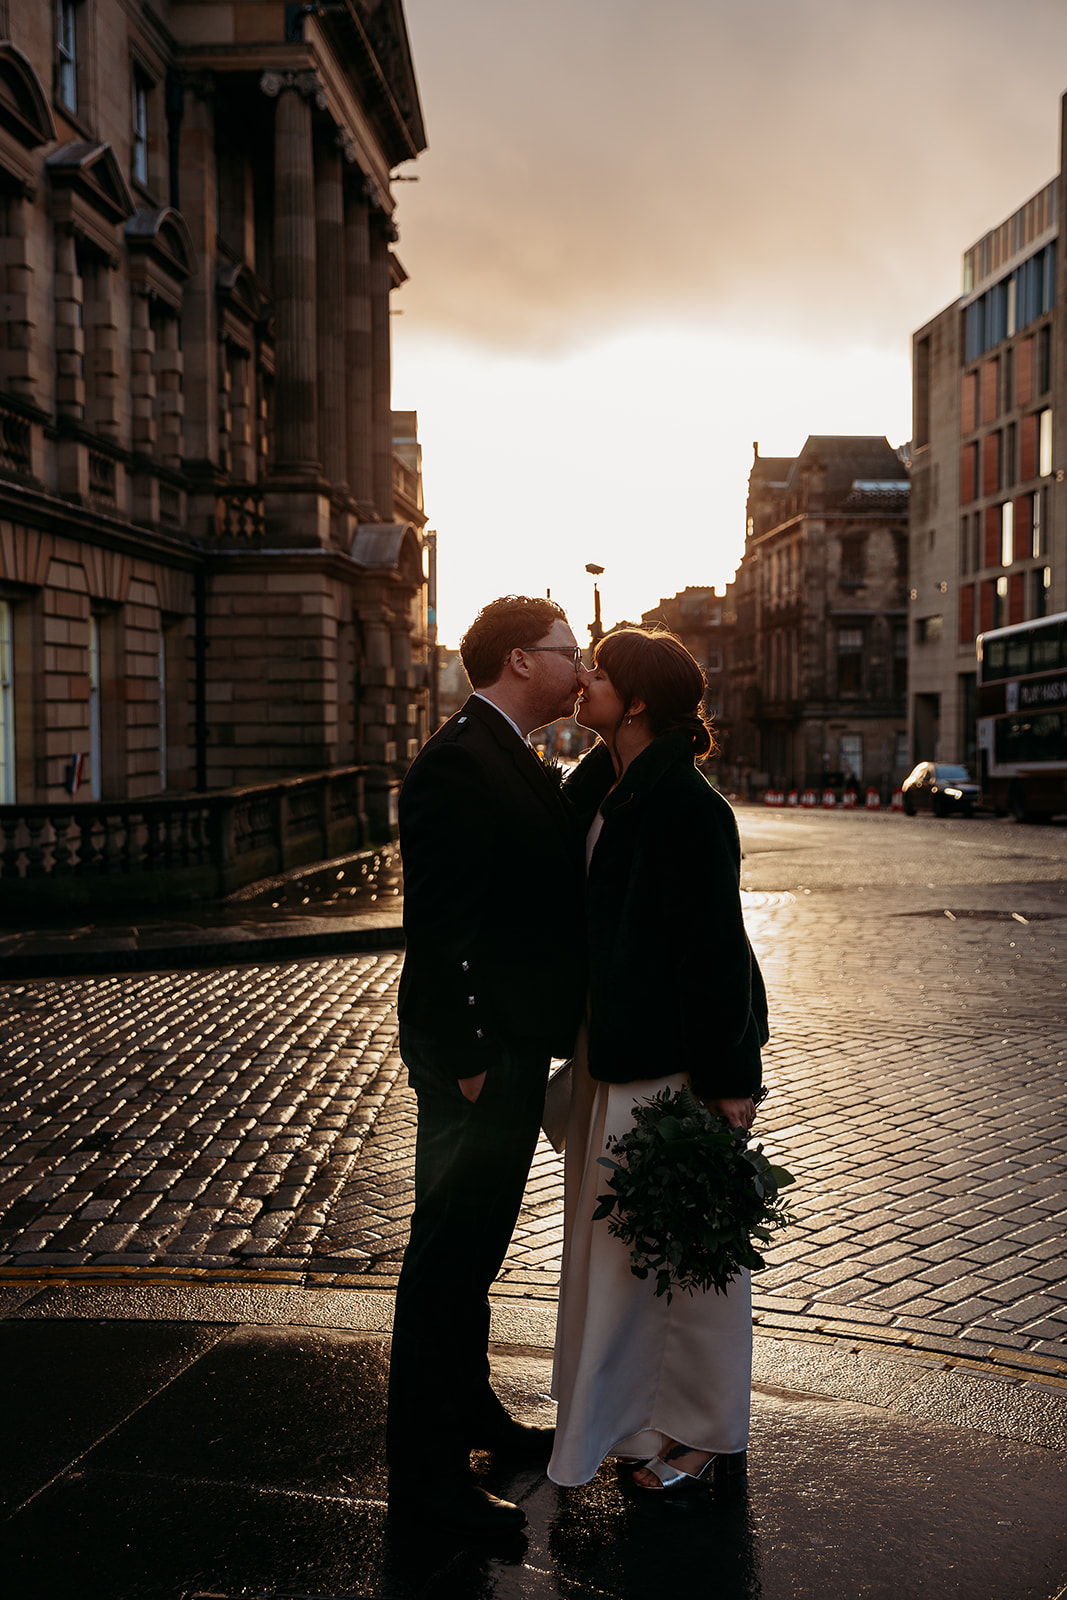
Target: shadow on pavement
162, 1461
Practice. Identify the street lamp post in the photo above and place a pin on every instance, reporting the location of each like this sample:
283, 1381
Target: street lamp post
430, 540
596, 630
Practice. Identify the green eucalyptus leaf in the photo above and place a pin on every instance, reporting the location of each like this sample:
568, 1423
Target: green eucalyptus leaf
690, 1194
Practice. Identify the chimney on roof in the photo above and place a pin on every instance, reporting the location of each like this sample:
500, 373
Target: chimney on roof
755, 449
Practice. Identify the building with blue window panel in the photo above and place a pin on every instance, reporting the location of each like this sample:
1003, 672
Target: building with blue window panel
988, 513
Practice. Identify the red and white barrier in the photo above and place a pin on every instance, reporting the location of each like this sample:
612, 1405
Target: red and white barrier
897, 802
829, 799
873, 801
791, 798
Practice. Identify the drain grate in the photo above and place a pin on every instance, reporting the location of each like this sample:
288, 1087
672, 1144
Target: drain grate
274, 1594
987, 916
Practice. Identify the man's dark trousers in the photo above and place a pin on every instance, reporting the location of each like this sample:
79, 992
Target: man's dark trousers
471, 1165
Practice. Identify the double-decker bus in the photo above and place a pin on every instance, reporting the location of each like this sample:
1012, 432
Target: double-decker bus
1022, 718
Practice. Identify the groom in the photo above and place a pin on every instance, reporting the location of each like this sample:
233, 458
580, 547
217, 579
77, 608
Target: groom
492, 988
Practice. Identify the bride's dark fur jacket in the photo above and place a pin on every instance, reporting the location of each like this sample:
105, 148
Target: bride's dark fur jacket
673, 981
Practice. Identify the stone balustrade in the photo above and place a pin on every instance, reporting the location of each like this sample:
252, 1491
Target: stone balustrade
80, 854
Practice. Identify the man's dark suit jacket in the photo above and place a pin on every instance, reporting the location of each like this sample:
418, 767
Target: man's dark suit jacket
493, 895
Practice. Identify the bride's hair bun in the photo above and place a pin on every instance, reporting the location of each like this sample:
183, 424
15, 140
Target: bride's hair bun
654, 666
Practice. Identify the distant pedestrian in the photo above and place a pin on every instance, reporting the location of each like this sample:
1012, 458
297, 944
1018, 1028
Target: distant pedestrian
675, 997
493, 986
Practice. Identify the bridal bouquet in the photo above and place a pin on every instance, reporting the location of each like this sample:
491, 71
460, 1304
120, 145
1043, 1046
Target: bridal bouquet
690, 1195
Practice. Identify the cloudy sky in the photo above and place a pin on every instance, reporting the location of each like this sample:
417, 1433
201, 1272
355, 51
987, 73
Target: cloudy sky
645, 235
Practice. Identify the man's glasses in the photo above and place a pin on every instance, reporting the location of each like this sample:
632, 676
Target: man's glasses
556, 650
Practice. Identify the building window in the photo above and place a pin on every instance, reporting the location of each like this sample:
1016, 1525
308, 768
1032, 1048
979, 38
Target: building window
991, 470
162, 671
95, 751
139, 162
1036, 529
969, 473
1010, 454
968, 703
989, 389
1024, 371
900, 661
928, 630
851, 756
1041, 578
1044, 444
7, 708
1007, 534
969, 402
901, 763
1007, 376
67, 52
1000, 603
714, 663
849, 660
1044, 359
966, 631
853, 562
922, 392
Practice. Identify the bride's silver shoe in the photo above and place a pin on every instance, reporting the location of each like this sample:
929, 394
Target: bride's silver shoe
678, 1485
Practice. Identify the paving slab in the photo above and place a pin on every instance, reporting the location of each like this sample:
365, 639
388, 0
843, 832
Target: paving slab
256, 1469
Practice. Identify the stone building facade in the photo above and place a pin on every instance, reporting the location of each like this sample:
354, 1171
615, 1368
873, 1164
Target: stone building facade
817, 620
989, 509
211, 562
701, 618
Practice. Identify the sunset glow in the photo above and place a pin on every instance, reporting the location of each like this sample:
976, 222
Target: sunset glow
644, 237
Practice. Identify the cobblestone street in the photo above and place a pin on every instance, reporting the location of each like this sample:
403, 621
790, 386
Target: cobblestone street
215, 1123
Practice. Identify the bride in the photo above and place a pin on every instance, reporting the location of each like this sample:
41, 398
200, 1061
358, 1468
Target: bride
675, 997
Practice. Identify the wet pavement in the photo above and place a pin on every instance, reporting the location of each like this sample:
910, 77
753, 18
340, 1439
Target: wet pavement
205, 1179
163, 1461
349, 904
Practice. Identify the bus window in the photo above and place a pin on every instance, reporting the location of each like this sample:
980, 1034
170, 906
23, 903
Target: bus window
1048, 742
993, 660
1046, 648
1018, 654
1032, 738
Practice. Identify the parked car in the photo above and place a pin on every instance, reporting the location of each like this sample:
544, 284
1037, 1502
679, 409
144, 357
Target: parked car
940, 788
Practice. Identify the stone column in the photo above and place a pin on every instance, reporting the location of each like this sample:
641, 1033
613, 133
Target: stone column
103, 379
72, 458
168, 362
406, 694
17, 361
225, 418
358, 409
330, 286
143, 403
241, 416
69, 334
379, 689
197, 180
381, 373
296, 347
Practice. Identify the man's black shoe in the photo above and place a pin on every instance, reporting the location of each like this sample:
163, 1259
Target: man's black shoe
461, 1508
513, 1441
